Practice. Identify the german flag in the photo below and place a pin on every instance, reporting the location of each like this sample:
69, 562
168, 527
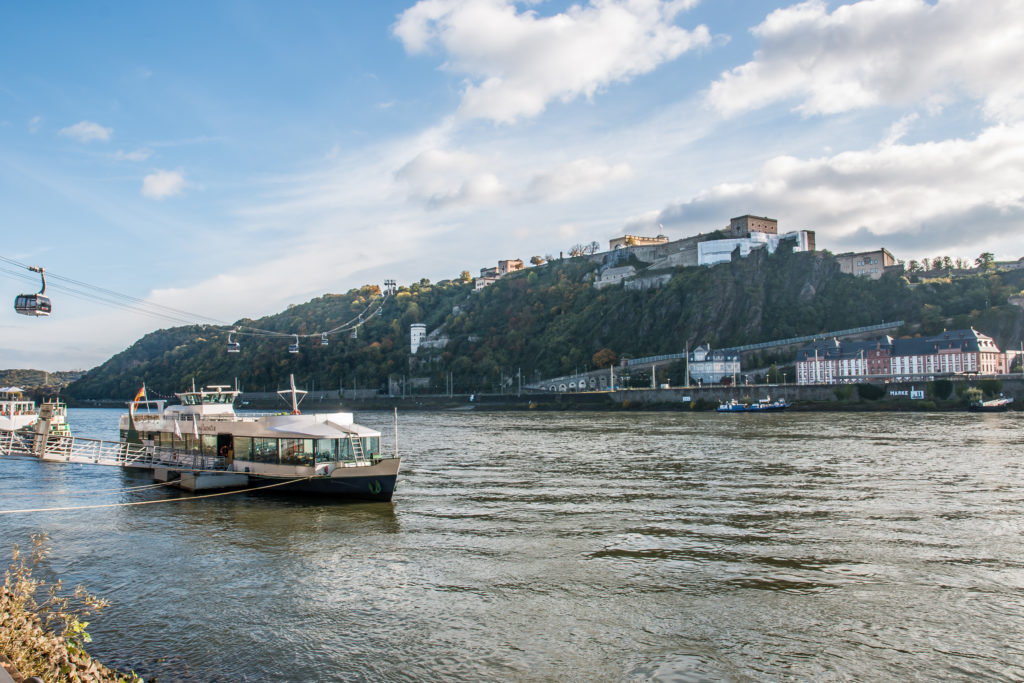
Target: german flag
138, 397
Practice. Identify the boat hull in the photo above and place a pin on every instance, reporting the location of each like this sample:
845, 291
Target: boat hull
988, 409
751, 408
365, 483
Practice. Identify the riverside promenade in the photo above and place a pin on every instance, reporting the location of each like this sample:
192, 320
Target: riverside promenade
804, 396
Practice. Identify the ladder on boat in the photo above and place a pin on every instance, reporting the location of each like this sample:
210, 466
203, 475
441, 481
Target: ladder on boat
357, 448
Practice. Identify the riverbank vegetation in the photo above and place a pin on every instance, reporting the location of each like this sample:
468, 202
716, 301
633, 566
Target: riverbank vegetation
43, 628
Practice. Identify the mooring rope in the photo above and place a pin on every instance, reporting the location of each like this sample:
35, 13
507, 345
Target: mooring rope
152, 502
86, 493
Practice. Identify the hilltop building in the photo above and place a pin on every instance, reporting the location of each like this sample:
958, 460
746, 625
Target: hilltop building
954, 352
506, 267
491, 274
635, 241
720, 251
872, 264
746, 232
744, 226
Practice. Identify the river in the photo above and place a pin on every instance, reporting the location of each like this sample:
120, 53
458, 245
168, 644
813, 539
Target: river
570, 546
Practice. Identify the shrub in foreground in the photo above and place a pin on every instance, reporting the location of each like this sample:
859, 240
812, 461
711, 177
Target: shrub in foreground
42, 630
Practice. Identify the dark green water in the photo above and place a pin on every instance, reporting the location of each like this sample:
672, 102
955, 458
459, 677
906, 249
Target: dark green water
573, 546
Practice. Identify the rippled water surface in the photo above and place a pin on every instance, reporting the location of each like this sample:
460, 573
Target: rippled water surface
571, 546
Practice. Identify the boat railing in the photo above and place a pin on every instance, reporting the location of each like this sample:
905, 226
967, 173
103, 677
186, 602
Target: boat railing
15, 443
84, 449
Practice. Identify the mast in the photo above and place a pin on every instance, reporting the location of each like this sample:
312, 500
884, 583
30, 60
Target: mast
294, 395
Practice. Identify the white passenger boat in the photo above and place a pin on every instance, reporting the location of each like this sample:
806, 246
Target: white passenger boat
15, 411
313, 453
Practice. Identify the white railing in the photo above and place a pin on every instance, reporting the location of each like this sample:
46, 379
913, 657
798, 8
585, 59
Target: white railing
97, 451
15, 443
83, 449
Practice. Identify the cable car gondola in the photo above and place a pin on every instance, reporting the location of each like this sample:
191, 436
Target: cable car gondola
294, 347
33, 304
323, 339
233, 346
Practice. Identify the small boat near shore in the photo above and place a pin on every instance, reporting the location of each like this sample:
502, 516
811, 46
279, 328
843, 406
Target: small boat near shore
996, 405
209, 446
16, 412
763, 406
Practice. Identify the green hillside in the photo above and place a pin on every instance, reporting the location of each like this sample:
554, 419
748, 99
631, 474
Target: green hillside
38, 383
550, 320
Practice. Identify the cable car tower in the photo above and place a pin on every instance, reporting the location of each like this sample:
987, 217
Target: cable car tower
34, 304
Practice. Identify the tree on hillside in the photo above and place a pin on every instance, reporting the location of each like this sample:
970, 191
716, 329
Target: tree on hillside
913, 266
985, 260
537, 260
947, 262
604, 358
465, 276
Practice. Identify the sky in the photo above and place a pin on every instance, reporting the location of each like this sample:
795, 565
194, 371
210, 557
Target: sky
228, 159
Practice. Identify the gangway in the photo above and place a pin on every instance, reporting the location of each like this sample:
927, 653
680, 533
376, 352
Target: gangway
84, 450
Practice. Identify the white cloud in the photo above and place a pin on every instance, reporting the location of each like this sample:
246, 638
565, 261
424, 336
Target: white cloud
140, 154
882, 52
87, 131
518, 62
921, 196
443, 178
899, 129
163, 184
34, 123
575, 179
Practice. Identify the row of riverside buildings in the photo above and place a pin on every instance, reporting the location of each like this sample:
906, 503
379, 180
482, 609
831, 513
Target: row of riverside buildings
954, 352
950, 354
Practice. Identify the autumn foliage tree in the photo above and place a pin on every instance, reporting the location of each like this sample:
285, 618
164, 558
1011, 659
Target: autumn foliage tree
604, 358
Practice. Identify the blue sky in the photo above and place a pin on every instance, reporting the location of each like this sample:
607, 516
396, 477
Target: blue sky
229, 159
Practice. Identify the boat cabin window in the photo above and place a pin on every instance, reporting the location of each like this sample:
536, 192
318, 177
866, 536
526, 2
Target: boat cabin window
326, 450
264, 450
243, 447
296, 451
304, 452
